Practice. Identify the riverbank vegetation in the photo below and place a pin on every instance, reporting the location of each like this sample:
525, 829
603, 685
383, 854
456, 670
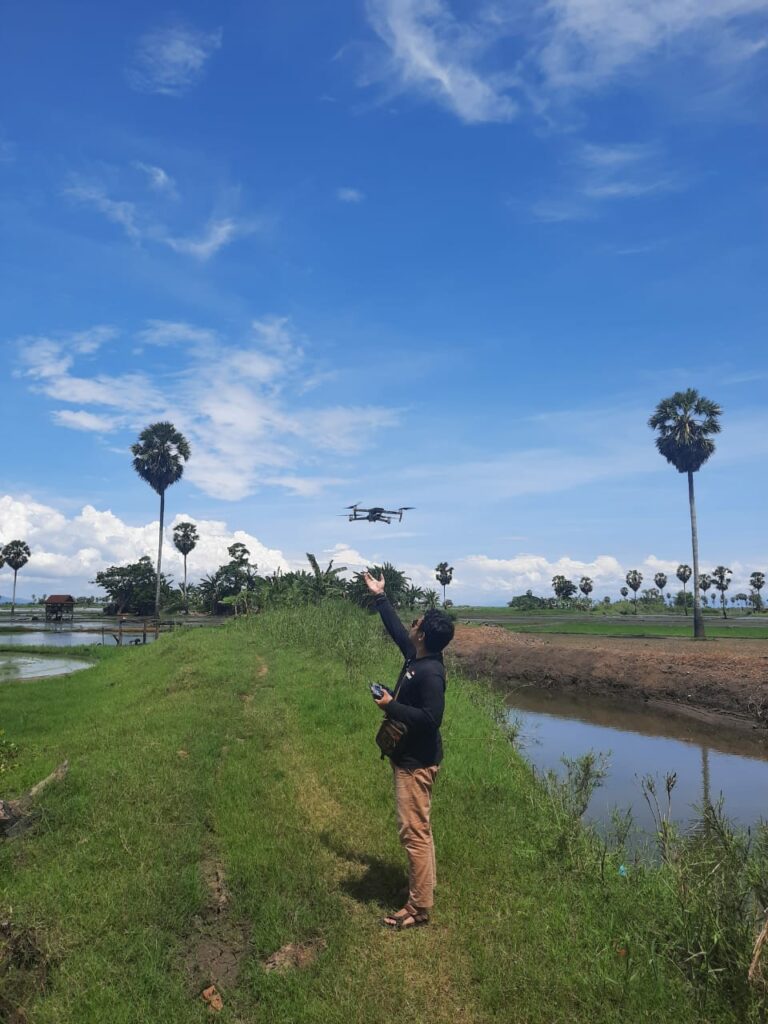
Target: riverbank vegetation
225, 803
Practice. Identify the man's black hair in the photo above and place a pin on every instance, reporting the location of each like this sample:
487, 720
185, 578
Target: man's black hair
437, 628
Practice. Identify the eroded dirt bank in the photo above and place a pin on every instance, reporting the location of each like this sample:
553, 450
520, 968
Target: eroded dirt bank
712, 677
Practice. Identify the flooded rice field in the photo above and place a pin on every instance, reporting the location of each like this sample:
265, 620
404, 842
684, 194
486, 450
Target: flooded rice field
710, 757
70, 638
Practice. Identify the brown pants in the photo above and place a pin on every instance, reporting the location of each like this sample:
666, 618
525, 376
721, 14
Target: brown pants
413, 794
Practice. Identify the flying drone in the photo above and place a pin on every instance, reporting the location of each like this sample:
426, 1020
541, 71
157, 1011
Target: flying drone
376, 515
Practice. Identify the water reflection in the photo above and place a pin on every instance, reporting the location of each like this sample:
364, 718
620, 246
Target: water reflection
68, 638
709, 757
18, 666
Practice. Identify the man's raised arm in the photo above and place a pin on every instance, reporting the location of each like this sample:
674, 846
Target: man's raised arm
389, 616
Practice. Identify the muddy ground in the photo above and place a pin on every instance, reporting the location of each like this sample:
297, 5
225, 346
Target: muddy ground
712, 678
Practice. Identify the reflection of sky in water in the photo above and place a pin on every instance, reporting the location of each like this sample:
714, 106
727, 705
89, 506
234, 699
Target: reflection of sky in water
742, 778
69, 638
16, 666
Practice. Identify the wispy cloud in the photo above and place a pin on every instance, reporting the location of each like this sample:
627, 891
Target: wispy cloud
242, 403
159, 180
601, 173
504, 56
431, 51
140, 226
170, 61
217, 234
350, 195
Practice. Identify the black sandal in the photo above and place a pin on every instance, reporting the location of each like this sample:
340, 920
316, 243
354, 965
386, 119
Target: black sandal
408, 917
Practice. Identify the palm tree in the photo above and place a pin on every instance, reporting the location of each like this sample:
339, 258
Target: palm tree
16, 553
756, 581
158, 457
705, 582
685, 423
660, 579
684, 574
721, 577
634, 579
624, 592
586, 586
185, 538
443, 575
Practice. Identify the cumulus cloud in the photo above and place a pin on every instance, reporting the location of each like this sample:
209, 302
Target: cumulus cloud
68, 551
170, 61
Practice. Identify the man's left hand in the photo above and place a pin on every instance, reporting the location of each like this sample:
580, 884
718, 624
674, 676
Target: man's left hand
384, 699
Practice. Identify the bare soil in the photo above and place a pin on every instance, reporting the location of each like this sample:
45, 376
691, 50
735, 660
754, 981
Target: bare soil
722, 677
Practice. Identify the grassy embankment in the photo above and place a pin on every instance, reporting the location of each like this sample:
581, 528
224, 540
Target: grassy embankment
250, 748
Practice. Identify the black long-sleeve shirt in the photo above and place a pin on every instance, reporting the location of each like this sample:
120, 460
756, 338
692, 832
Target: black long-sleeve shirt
420, 698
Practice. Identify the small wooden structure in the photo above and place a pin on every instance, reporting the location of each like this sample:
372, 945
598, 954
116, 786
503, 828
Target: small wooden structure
59, 607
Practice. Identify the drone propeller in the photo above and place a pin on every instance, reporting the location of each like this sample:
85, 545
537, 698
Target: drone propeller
352, 506
406, 508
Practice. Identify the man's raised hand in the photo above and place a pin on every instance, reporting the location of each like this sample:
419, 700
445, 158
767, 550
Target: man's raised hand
375, 586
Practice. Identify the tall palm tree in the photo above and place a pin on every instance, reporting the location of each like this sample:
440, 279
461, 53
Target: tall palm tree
685, 423
443, 575
185, 538
16, 553
705, 582
624, 592
586, 586
158, 457
634, 579
721, 577
660, 579
756, 582
684, 574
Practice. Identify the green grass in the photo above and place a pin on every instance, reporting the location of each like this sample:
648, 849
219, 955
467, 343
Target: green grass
279, 781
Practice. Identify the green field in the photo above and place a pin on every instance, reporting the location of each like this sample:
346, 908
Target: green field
225, 791
640, 629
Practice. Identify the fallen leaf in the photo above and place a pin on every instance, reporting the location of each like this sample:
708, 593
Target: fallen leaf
212, 997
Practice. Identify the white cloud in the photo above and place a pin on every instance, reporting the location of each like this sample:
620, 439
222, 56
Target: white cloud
159, 180
169, 61
67, 552
139, 226
607, 172
169, 332
217, 234
350, 195
241, 404
81, 420
504, 54
118, 211
431, 51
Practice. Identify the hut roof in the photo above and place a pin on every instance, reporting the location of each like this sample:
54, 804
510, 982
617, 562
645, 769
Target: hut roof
60, 599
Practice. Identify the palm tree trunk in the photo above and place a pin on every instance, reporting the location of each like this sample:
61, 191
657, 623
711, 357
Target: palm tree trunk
159, 554
13, 601
698, 618
685, 600
186, 599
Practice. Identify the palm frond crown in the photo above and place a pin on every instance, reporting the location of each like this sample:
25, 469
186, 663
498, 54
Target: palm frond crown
684, 423
159, 455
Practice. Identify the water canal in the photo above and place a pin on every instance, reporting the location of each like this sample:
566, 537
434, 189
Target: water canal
639, 739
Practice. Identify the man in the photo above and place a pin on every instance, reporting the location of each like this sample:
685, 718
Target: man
418, 702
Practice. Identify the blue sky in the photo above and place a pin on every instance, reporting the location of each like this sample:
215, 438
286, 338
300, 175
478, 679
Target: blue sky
401, 252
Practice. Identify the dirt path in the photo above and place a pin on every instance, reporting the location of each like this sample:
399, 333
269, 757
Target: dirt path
729, 677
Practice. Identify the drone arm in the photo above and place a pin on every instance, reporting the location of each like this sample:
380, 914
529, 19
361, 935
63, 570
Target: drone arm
394, 626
